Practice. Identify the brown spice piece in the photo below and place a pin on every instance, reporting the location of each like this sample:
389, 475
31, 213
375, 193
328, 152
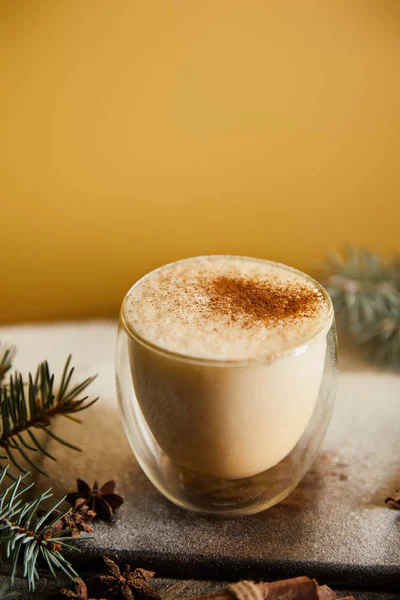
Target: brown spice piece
257, 301
121, 583
78, 593
394, 502
77, 520
298, 588
103, 502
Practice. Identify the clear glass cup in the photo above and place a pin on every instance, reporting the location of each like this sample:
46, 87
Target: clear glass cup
226, 437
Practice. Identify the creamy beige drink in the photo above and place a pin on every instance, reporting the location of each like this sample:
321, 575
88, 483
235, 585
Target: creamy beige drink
227, 357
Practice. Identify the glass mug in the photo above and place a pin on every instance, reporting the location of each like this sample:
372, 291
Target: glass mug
226, 437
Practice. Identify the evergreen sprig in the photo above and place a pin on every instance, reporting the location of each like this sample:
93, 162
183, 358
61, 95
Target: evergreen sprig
31, 538
366, 294
7, 594
7, 354
28, 407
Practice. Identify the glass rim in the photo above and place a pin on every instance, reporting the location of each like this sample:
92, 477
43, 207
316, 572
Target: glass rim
257, 361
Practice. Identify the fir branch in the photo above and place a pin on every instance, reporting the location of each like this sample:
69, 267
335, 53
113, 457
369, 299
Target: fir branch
361, 285
381, 337
35, 405
366, 295
30, 538
6, 594
7, 354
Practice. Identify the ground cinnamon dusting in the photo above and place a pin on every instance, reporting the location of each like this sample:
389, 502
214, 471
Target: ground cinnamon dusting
250, 301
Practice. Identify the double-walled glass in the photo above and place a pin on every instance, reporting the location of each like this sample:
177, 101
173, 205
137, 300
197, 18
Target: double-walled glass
227, 437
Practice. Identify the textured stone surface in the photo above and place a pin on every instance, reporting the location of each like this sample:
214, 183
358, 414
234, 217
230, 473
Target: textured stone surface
335, 526
169, 589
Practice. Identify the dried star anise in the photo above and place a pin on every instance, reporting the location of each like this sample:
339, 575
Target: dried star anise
76, 520
139, 579
101, 501
394, 502
121, 584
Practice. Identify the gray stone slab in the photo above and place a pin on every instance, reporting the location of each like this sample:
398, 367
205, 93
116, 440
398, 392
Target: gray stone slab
334, 527
169, 589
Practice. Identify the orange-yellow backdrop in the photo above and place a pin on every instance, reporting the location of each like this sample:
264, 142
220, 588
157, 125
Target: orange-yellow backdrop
139, 132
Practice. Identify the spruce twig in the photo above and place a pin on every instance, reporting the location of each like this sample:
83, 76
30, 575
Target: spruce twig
33, 406
29, 537
366, 294
7, 594
7, 354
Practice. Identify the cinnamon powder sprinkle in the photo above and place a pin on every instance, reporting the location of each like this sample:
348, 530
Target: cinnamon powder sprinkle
251, 301
227, 308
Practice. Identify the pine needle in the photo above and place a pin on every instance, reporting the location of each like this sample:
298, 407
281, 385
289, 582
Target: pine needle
366, 294
35, 405
27, 537
7, 354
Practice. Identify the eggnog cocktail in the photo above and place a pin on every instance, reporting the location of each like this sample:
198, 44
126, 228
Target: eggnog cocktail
227, 356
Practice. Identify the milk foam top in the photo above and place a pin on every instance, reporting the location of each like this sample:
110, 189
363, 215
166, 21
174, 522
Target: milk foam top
227, 308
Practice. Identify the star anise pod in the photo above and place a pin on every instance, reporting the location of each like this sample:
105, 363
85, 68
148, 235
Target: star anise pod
76, 520
121, 584
139, 579
101, 501
394, 502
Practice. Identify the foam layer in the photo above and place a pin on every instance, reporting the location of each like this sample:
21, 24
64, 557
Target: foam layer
226, 308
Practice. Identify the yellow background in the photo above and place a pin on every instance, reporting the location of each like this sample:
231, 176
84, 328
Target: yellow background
138, 132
